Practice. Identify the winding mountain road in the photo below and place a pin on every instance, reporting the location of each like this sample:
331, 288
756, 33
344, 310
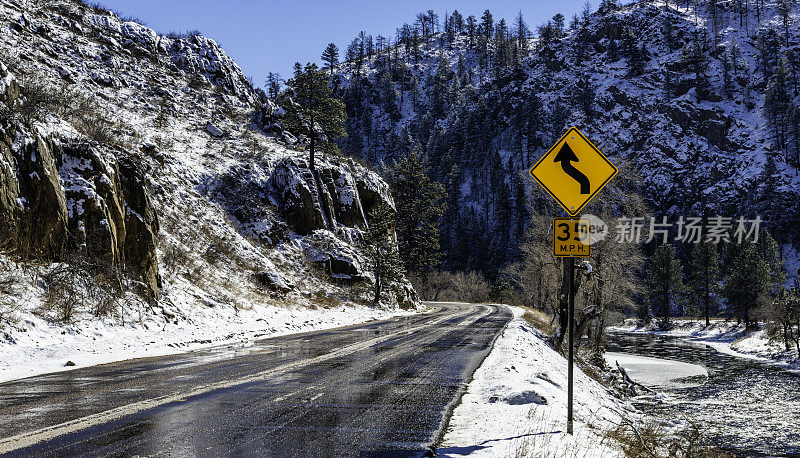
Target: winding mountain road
380, 388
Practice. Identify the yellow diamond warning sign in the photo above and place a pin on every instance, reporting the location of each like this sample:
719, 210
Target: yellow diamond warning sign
569, 235
573, 171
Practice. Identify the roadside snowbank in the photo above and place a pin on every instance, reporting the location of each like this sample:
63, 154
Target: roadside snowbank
725, 337
46, 347
516, 404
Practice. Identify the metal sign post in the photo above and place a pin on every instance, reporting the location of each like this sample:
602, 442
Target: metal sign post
571, 356
573, 171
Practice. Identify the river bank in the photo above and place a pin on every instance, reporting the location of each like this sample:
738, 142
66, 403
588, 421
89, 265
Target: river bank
724, 336
746, 406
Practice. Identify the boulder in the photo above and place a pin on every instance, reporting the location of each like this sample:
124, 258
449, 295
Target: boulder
407, 298
288, 138
296, 192
214, 131
273, 280
9, 89
103, 79
716, 132
339, 259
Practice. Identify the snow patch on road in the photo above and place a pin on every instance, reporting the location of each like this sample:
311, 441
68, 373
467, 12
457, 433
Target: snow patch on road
516, 404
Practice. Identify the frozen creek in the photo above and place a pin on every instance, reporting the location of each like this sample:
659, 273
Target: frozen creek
746, 406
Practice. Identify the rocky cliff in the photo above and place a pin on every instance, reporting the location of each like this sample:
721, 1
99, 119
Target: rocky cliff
63, 195
155, 158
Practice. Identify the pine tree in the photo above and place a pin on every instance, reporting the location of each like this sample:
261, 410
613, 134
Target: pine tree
457, 22
664, 282
381, 249
769, 251
522, 32
613, 50
558, 24
471, 30
768, 46
438, 88
420, 205
502, 47
705, 276
785, 10
313, 110
584, 94
696, 58
331, 56
747, 284
777, 106
273, 84
487, 24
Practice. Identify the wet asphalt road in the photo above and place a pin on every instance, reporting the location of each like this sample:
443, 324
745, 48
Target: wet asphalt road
383, 388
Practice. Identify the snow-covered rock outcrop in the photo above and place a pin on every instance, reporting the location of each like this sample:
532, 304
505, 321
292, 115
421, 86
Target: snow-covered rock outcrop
155, 154
62, 196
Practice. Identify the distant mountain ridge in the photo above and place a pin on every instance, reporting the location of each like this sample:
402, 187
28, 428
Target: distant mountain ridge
687, 100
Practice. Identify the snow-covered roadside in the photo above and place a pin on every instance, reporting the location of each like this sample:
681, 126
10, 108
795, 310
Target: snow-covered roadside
516, 404
726, 337
46, 347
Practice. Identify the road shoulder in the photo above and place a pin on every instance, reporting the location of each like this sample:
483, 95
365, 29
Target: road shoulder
516, 404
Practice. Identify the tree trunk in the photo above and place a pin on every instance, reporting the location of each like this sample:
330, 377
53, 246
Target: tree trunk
311, 148
377, 288
583, 325
786, 336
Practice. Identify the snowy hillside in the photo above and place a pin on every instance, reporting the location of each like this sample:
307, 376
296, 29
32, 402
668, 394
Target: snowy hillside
696, 101
141, 161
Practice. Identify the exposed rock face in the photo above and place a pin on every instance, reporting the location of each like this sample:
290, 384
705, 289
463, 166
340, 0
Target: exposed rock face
297, 196
43, 221
709, 123
141, 226
57, 198
194, 54
338, 259
331, 196
94, 202
29, 185
200, 55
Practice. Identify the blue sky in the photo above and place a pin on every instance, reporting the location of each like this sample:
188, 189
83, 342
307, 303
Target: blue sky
265, 36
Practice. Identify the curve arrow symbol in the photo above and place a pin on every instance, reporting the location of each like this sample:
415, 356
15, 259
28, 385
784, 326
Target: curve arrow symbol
566, 157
